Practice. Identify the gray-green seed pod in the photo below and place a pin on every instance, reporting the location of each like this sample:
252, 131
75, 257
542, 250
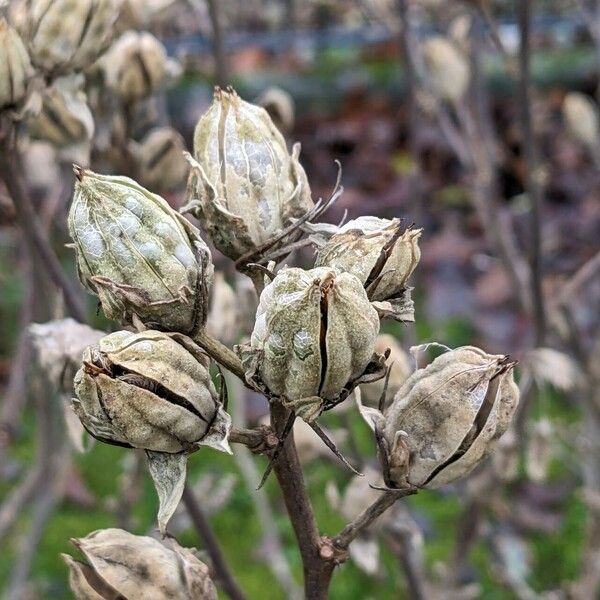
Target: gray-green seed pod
135, 65
142, 258
66, 35
446, 416
122, 565
446, 68
15, 68
314, 335
65, 119
245, 187
147, 390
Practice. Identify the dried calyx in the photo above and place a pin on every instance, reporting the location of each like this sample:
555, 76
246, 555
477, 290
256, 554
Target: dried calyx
380, 252
119, 564
445, 418
245, 188
146, 262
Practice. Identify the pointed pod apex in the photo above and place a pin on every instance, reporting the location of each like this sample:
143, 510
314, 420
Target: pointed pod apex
79, 172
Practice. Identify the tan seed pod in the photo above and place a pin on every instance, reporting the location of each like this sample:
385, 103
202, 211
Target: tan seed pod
66, 35
160, 159
15, 67
446, 416
446, 69
223, 318
122, 565
581, 117
280, 106
245, 187
135, 65
539, 450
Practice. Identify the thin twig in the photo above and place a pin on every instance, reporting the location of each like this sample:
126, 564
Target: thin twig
221, 72
222, 571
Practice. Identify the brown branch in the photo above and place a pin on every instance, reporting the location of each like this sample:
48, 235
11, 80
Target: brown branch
533, 184
11, 174
221, 353
211, 543
221, 71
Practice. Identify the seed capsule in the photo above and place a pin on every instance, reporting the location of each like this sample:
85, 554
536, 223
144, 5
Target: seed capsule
445, 417
15, 68
446, 69
122, 565
581, 116
65, 119
66, 35
135, 65
314, 335
160, 159
148, 391
142, 258
245, 188
379, 254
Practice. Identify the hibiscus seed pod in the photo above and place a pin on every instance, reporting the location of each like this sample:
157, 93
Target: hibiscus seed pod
66, 35
446, 69
143, 259
135, 65
446, 416
379, 254
119, 564
245, 187
314, 335
160, 159
581, 117
147, 390
15, 68
65, 118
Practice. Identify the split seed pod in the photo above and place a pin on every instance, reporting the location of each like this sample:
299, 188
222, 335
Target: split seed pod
143, 259
379, 254
122, 565
245, 188
313, 338
65, 119
135, 65
15, 68
446, 69
66, 35
160, 159
153, 391
445, 417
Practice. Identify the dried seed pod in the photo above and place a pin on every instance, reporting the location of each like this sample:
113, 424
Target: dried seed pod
505, 457
142, 258
379, 254
314, 336
280, 106
135, 65
122, 565
446, 69
15, 68
400, 370
66, 35
65, 119
152, 390
160, 159
223, 321
147, 390
245, 188
445, 416
581, 117
539, 450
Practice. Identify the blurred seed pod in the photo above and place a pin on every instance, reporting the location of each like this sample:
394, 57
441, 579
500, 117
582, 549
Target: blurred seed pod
65, 119
280, 106
159, 155
122, 565
400, 370
539, 450
135, 65
15, 67
446, 69
581, 117
223, 316
66, 35
505, 457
